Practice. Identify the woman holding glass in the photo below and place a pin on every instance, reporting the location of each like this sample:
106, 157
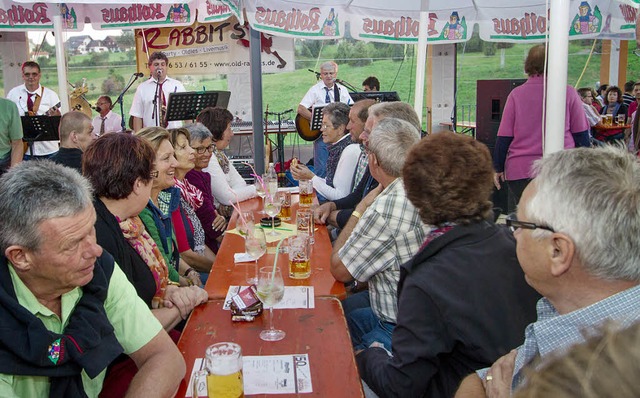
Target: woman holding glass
227, 186
343, 155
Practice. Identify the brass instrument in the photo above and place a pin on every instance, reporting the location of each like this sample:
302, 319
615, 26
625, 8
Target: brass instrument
77, 100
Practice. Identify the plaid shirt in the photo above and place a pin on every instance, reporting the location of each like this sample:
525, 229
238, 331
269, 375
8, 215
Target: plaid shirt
552, 331
389, 234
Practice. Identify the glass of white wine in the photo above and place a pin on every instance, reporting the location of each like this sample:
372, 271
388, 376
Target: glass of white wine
270, 292
255, 245
260, 190
272, 208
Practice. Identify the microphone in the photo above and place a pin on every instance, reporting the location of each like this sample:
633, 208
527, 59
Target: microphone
158, 72
139, 74
96, 108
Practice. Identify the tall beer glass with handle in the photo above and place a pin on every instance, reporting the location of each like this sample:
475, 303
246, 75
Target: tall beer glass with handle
270, 292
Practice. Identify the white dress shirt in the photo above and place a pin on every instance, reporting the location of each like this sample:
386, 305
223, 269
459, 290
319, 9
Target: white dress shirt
20, 95
317, 95
112, 123
142, 106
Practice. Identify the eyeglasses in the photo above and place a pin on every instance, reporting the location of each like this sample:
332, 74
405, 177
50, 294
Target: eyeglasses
513, 224
327, 126
154, 174
203, 149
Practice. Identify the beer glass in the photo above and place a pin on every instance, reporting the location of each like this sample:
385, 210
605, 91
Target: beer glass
285, 205
306, 193
305, 224
299, 257
224, 364
621, 119
608, 120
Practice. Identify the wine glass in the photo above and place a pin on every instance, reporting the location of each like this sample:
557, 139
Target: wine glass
243, 229
270, 292
255, 244
272, 208
260, 191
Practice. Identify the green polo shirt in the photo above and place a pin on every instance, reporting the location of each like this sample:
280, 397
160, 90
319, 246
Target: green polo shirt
10, 125
132, 320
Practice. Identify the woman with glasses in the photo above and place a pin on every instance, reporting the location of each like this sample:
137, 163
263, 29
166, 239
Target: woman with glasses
463, 301
343, 155
227, 185
212, 223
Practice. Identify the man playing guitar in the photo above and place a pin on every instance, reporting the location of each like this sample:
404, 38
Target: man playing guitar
322, 93
33, 99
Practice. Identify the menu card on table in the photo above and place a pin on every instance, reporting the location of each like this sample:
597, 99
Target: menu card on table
268, 374
294, 297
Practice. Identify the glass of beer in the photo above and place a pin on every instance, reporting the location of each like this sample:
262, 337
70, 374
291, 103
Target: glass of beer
621, 120
224, 364
306, 193
285, 205
299, 257
607, 120
305, 224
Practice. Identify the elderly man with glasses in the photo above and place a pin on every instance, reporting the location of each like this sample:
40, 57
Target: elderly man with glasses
576, 241
107, 121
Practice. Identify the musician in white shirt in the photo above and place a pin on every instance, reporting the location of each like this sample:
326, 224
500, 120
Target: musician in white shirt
34, 99
112, 121
142, 109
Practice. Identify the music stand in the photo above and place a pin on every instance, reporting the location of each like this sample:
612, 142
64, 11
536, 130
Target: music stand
39, 128
186, 106
316, 117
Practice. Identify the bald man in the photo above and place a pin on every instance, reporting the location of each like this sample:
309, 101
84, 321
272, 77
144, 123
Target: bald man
76, 133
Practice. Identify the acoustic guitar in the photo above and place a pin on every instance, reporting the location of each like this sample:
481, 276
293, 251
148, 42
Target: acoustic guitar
303, 126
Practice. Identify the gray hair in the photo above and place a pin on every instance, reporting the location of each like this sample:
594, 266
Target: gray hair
199, 132
338, 113
398, 110
329, 65
593, 196
36, 191
391, 140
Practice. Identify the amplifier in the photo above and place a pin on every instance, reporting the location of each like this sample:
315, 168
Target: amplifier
239, 162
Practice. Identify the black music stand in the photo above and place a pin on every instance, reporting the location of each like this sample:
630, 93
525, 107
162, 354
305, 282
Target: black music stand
186, 106
39, 128
316, 118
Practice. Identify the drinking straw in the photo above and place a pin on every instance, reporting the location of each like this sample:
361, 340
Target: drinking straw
275, 261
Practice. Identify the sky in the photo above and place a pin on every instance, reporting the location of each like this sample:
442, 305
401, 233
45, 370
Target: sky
36, 37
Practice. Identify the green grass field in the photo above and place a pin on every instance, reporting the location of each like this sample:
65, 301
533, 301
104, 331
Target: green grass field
284, 90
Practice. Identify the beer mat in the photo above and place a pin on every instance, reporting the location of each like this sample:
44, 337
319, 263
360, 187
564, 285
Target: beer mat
243, 258
285, 230
294, 297
263, 374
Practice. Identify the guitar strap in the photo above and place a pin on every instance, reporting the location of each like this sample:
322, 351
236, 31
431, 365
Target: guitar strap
36, 103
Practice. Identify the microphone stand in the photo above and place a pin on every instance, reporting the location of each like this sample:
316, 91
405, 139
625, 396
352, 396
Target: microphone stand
132, 80
280, 139
349, 86
154, 115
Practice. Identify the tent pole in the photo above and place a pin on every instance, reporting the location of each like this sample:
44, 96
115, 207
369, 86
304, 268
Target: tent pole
256, 100
421, 65
558, 53
61, 61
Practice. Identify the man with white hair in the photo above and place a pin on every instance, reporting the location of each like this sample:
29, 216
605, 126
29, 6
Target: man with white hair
324, 92
576, 232
383, 232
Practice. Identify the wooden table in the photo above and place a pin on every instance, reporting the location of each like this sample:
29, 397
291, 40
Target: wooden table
602, 127
320, 332
225, 272
466, 127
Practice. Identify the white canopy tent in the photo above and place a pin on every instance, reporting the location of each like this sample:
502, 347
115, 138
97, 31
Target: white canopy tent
402, 21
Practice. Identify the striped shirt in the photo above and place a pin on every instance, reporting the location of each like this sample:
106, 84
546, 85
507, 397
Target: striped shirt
553, 332
389, 234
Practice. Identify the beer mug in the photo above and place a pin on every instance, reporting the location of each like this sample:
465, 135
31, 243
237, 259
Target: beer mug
299, 257
306, 193
305, 224
608, 120
224, 364
621, 120
285, 205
